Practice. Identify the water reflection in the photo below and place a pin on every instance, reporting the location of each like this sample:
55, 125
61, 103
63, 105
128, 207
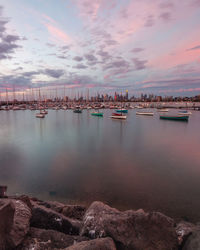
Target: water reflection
79, 158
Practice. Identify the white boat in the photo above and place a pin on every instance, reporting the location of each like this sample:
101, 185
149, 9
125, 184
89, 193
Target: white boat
145, 113
16, 108
44, 112
64, 107
184, 112
118, 116
139, 107
40, 115
163, 110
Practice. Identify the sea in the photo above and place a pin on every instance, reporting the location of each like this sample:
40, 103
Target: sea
141, 162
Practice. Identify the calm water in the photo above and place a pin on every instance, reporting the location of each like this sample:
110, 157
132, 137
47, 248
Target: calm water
142, 162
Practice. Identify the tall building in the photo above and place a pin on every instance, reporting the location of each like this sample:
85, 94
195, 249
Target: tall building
126, 97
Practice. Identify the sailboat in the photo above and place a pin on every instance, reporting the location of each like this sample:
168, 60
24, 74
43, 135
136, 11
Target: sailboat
77, 110
119, 114
7, 106
44, 111
122, 110
40, 115
97, 113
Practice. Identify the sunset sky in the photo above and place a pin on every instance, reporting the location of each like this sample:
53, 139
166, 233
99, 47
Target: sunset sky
143, 46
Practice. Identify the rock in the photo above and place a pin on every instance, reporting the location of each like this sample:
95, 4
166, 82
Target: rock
192, 242
130, 229
46, 218
74, 211
184, 229
7, 211
71, 211
41, 239
17, 222
97, 244
25, 199
54, 205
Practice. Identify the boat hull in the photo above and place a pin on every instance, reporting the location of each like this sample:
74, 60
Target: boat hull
122, 111
145, 113
78, 111
163, 110
97, 114
122, 117
175, 118
40, 115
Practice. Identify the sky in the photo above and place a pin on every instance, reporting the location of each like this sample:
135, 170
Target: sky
103, 46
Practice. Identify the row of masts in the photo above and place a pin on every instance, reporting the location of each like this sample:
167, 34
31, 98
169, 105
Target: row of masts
36, 94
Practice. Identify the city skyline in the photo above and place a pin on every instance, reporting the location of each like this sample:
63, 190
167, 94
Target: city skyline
104, 46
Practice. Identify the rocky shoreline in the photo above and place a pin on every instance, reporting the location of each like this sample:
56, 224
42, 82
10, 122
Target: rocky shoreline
31, 224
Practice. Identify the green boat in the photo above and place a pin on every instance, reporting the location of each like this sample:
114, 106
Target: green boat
175, 118
97, 114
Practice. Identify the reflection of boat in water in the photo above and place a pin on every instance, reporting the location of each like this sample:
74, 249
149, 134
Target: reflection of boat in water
175, 117
118, 116
145, 113
122, 111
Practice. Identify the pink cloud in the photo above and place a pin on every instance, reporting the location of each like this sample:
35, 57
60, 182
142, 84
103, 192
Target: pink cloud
179, 90
89, 8
180, 54
49, 19
57, 33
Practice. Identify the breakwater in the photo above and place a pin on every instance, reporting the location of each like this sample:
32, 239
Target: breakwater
30, 223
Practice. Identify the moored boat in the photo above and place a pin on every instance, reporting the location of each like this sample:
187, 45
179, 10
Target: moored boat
184, 112
44, 112
163, 110
118, 116
175, 117
97, 114
122, 111
145, 113
40, 115
78, 111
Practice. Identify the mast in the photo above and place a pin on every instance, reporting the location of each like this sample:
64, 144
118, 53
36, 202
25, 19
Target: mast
13, 95
7, 96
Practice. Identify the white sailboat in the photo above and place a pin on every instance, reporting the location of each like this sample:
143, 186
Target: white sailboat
40, 115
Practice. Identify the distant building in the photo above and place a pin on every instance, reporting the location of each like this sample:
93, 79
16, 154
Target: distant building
126, 97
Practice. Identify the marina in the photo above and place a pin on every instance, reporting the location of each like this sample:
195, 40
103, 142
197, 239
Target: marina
99, 125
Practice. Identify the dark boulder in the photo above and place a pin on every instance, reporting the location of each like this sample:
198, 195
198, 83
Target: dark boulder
193, 241
74, 211
46, 218
16, 220
54, 205
130, 229
184, 229
7, 211
71, 211
42, 239
23, 198
97, 244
